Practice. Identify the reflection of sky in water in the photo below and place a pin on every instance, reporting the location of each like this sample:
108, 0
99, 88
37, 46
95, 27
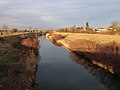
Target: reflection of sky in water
57, 71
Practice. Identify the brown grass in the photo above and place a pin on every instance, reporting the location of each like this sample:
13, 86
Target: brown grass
98, 38
18, 66
104, 49
21, 75
32, 43
106, 56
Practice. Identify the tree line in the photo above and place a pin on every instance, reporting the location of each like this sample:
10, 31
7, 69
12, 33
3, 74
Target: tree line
114, 28
5, 30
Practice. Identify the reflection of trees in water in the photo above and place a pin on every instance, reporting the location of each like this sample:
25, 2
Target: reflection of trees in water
111, 81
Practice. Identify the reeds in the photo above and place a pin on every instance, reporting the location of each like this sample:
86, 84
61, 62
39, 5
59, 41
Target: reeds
20, 73
55, 37
106, 55
31, 43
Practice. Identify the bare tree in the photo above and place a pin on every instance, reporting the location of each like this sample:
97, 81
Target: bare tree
30, 28
5, 28
115, 24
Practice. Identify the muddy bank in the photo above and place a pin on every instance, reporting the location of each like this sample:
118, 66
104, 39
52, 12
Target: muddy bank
18, 63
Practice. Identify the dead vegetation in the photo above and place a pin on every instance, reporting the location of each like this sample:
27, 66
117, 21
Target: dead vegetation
105, 52
111, 81
17, 64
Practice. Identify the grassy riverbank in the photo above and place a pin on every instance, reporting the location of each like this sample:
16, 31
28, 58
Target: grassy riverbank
14, 34
17, 64
103, 50
88, 42
98, 38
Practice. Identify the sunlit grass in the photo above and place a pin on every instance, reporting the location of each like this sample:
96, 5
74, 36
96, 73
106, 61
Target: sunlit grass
98, 38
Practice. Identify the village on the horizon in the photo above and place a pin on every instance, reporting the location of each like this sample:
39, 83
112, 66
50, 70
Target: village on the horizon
113, 28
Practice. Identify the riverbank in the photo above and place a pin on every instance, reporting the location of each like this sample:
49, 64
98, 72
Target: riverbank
14, 34
103, 50
17, 63
87, 42
58, 71
98, 38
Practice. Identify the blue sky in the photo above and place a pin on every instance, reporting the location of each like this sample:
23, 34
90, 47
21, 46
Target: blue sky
52, 14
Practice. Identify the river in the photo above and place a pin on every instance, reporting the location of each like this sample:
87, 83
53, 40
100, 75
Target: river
58, 71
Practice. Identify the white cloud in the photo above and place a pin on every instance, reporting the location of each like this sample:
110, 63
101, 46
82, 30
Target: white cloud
20, 11
2, 2
51, 18
52, 12
8, 20
47, 18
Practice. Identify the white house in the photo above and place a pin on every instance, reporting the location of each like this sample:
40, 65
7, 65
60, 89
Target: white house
102, 30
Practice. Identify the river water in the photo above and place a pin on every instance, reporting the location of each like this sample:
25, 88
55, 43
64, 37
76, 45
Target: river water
58, 71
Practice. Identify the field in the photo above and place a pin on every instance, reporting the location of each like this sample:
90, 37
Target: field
98, 38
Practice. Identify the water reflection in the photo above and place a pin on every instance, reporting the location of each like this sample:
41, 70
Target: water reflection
111, 81
55, 43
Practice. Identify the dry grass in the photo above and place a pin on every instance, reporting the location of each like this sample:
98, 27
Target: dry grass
17, 64
98, 48
56, 36
20, 75
14, 34
98, 38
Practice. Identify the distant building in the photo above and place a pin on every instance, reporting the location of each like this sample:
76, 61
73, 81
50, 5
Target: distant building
101, 30
115, 28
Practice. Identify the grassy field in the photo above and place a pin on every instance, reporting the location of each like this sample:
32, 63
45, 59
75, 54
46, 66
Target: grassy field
98, 38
